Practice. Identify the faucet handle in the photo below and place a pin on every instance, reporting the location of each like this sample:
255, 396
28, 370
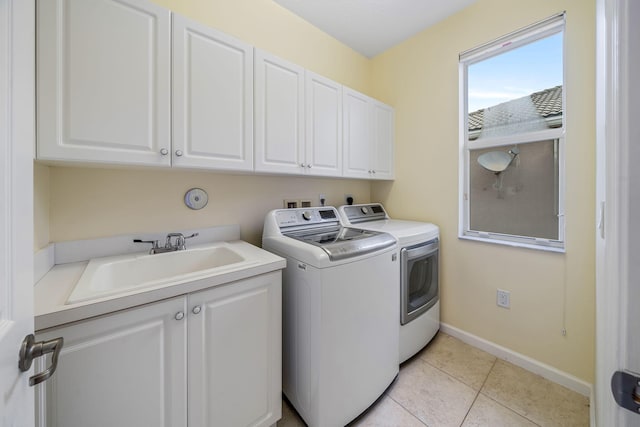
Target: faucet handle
154, 244
187, 237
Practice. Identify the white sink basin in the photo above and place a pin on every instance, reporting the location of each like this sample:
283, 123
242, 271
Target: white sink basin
117, 274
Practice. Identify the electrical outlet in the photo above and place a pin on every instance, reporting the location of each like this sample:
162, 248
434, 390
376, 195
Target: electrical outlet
290, 203
503, 298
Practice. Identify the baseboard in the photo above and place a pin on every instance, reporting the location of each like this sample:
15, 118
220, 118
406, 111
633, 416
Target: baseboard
525, 362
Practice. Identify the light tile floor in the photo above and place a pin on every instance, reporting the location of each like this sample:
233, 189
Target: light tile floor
450, 383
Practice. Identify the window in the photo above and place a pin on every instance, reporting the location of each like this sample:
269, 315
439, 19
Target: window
512, 113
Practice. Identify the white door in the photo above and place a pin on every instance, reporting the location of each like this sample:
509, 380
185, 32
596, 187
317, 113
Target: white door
323, 113
383, 146
618, 202
357, 134
17, 77
104, 76
279, 115
128, 368
235, 361
212, 98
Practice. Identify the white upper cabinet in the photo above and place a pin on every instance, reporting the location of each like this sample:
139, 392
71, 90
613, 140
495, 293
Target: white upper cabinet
126, 82
212, 98
279, 115
368, 137
382, 160
298, 119
103, 81
323, 111
357, 134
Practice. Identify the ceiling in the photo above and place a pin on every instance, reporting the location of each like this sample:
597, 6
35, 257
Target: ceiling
373, 26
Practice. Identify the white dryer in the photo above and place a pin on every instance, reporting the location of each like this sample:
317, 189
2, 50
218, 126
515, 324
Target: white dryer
418, 283
340, 308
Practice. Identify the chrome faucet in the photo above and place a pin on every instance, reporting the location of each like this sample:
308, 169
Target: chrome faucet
177, 245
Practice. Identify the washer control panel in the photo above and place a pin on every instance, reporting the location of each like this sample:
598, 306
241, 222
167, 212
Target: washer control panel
369, 212
306, 216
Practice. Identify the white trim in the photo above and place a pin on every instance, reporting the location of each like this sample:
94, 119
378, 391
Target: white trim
518, 138
546, 371
541, 245
552, 25
541, 29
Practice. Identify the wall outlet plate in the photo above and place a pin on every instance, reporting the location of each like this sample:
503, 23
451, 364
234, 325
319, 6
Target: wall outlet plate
290, 203
503, 298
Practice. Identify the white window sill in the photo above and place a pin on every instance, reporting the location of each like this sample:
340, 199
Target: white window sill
515, 244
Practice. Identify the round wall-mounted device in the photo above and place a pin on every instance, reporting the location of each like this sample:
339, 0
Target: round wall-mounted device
196, 198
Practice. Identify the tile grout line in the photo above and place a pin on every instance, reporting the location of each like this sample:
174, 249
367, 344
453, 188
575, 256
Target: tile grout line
456, 378
511, 409
500, 403
408, 411
478, 393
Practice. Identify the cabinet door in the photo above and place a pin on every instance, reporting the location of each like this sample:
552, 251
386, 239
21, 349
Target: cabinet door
103, 81
323, 112
357, 134
279, 115
235, 353
124, 369
212, 98
382, 160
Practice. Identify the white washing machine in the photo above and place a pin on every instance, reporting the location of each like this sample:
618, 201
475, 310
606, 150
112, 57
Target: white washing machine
340, 311
418, 246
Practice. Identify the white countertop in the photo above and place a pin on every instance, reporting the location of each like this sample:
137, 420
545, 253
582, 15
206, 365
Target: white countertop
52, 291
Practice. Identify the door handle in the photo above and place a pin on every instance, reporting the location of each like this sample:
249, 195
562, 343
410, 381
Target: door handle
626, 390
30, 349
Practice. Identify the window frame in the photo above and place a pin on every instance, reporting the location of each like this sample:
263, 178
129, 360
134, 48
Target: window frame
530, 34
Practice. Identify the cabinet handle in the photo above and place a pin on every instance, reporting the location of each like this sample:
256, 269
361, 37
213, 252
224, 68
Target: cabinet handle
179, 315
164, 151
179, 153
302, 165
31, 349
197, 309
309, 166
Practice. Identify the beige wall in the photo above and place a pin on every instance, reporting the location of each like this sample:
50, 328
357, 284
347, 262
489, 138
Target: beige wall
87, 203
41, 203
548, 291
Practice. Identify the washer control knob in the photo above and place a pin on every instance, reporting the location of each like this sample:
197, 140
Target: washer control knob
364, 210
306, 215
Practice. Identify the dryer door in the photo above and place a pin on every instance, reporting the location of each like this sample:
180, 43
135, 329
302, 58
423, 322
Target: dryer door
419, 289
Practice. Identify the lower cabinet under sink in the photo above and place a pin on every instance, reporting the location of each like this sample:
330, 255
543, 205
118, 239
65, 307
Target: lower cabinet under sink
212, 357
